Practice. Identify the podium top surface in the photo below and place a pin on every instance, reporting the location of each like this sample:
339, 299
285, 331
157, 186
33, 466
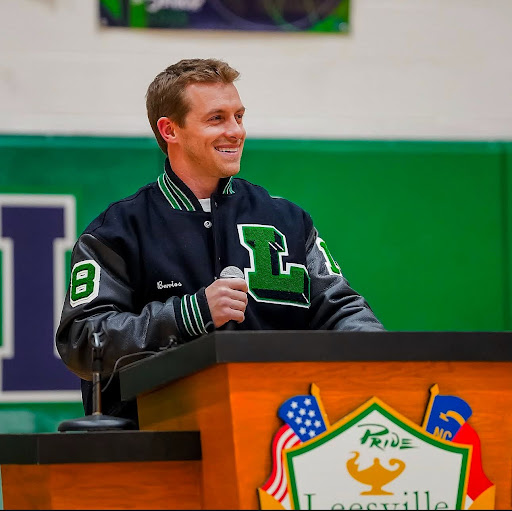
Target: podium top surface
311, 346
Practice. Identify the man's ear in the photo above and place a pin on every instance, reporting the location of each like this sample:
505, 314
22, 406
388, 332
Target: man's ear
167, 129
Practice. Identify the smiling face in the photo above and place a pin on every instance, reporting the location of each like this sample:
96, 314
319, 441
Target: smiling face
209, 145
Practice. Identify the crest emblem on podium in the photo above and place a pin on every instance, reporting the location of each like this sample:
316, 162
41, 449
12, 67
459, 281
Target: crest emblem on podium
375, 458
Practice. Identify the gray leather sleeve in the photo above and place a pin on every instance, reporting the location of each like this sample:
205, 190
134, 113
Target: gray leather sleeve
110, 313
334, 304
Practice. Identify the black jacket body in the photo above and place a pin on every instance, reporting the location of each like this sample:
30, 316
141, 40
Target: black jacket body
139, 273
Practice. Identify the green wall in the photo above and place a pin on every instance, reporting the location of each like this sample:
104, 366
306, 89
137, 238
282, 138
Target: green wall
417, 227
422, 229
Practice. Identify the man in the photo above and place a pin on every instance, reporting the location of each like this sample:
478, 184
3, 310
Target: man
146, 272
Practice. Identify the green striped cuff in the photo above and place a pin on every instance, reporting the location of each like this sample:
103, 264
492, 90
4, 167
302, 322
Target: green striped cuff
195, 315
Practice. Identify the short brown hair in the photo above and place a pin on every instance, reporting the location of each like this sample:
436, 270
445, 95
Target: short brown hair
165, 96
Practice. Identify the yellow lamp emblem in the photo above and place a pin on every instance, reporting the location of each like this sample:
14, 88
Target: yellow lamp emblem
376, 475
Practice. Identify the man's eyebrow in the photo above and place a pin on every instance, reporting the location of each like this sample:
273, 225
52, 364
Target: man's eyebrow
220, 111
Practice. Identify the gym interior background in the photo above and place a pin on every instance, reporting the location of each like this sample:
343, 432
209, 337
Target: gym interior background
396, 137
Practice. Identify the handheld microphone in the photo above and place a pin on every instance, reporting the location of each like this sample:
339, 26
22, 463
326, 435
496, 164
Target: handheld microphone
231, 272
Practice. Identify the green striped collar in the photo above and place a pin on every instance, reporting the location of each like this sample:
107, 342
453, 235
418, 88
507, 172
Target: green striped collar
228, 188
179, 196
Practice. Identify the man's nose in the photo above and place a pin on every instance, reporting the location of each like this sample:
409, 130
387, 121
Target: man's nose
235, 129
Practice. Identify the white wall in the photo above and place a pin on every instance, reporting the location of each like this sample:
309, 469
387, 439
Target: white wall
436, 69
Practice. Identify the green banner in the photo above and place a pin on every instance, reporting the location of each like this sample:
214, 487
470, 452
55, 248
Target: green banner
252, 15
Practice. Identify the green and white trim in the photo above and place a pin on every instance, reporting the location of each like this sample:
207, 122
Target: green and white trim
176, 198
192, 317
228, 189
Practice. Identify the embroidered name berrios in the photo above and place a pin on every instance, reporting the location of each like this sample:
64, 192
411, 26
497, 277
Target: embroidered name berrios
161, 285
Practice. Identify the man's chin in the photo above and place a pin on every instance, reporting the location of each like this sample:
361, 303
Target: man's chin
230, 171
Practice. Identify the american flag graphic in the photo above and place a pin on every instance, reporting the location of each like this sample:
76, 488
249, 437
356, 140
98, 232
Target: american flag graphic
303, 421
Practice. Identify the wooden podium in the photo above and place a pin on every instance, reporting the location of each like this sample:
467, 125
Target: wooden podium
229, 386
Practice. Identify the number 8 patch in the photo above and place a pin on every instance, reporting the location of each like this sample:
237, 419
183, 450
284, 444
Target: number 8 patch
85, 282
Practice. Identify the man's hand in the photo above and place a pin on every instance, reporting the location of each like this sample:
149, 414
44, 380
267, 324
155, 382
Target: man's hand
227, 299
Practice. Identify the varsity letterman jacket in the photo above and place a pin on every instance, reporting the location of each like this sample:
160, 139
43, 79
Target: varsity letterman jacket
139, 273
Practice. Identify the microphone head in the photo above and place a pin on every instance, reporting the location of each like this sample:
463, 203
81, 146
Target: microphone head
231, 272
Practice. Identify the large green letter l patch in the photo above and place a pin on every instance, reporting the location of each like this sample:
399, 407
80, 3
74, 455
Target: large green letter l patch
267, 280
